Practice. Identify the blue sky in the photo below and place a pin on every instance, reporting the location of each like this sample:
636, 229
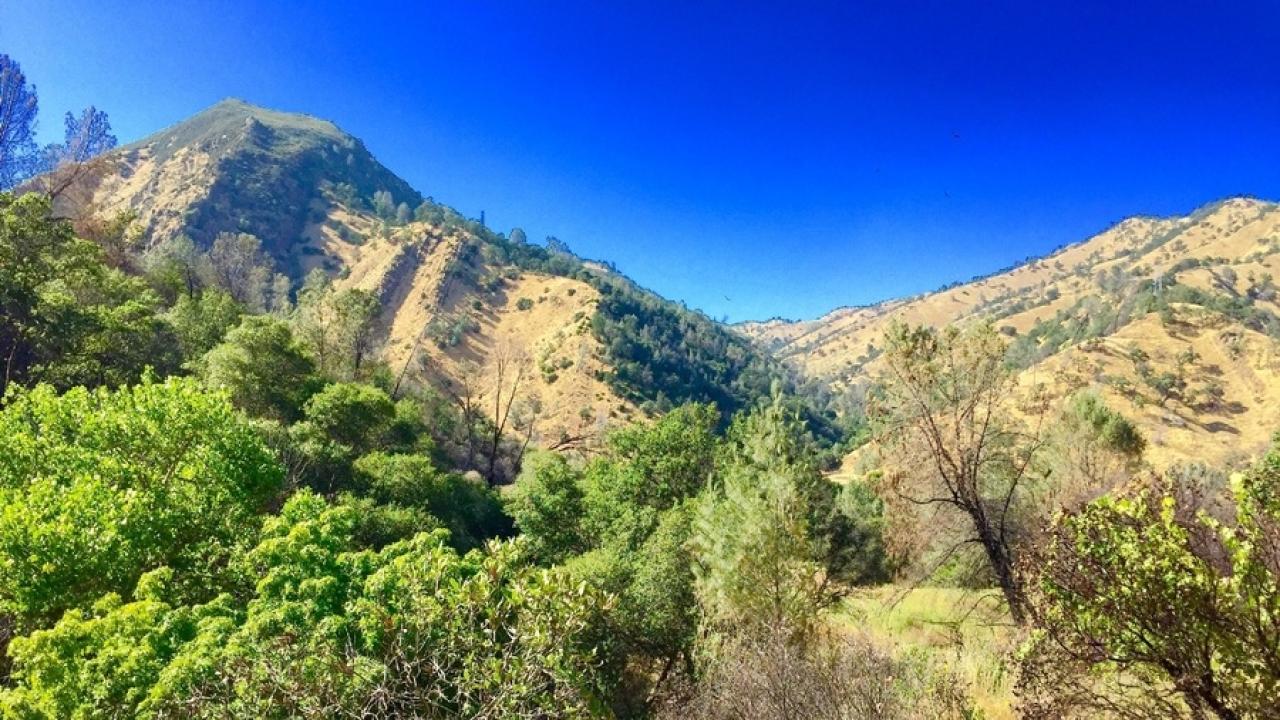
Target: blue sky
750, 159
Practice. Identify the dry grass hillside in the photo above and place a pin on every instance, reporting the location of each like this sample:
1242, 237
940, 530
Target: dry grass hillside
1175, 320
441, 327
237, 167
304, 188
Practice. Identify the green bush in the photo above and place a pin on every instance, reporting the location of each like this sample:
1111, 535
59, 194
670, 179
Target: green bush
470, 510
98, 487
263, 368
330, 630
1163, 601
351, 414
65, 317
202, 321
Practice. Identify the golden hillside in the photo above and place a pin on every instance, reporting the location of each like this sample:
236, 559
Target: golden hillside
441, 327
1187, 301
302, 186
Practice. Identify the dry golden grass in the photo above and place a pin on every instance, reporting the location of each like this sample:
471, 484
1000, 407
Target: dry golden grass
963, 632
551, 332
159, 192
410, 269
1240, 234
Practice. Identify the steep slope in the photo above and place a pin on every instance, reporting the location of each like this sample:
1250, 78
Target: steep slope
236, 167
592, 348
306, 189
1151, 301
450, 316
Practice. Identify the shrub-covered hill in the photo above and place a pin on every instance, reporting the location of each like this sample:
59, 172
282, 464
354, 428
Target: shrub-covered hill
581, 346
1175, 320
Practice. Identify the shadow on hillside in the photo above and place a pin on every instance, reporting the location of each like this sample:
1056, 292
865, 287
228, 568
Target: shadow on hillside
1219, 426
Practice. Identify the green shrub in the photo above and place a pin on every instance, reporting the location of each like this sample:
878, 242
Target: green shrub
330, 630
98, 487
1163, 601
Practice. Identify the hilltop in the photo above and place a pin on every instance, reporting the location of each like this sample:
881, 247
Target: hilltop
1174, 320
236, 167
455, 295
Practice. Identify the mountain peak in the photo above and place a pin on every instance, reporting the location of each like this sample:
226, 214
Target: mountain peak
240, 167
227, 119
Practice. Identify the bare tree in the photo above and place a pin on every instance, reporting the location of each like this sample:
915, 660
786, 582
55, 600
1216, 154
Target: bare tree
241, 267
464, 394
525, 423
510, 367
493, 403
69, 170
951, 446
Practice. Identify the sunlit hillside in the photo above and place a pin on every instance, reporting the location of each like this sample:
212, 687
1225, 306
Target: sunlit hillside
459, 303
1173, 319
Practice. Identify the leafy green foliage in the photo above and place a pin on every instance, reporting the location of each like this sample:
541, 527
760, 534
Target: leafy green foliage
758, 537
448, 329
658, 606
470, 510
860, 554
1089, 449
201, 321
1163, 591
102, 329
1087, 412
547, 505
659, 464
264, 370
66, 318
117, 652
772, 441
665, 354
98, 487
354, 415
331, 630
669, 501
622, 524
175, 267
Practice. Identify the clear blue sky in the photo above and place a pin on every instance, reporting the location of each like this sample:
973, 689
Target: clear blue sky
750, 159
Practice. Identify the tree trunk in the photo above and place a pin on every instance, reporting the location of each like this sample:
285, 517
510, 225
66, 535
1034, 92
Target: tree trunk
1002, 565
1206, 693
